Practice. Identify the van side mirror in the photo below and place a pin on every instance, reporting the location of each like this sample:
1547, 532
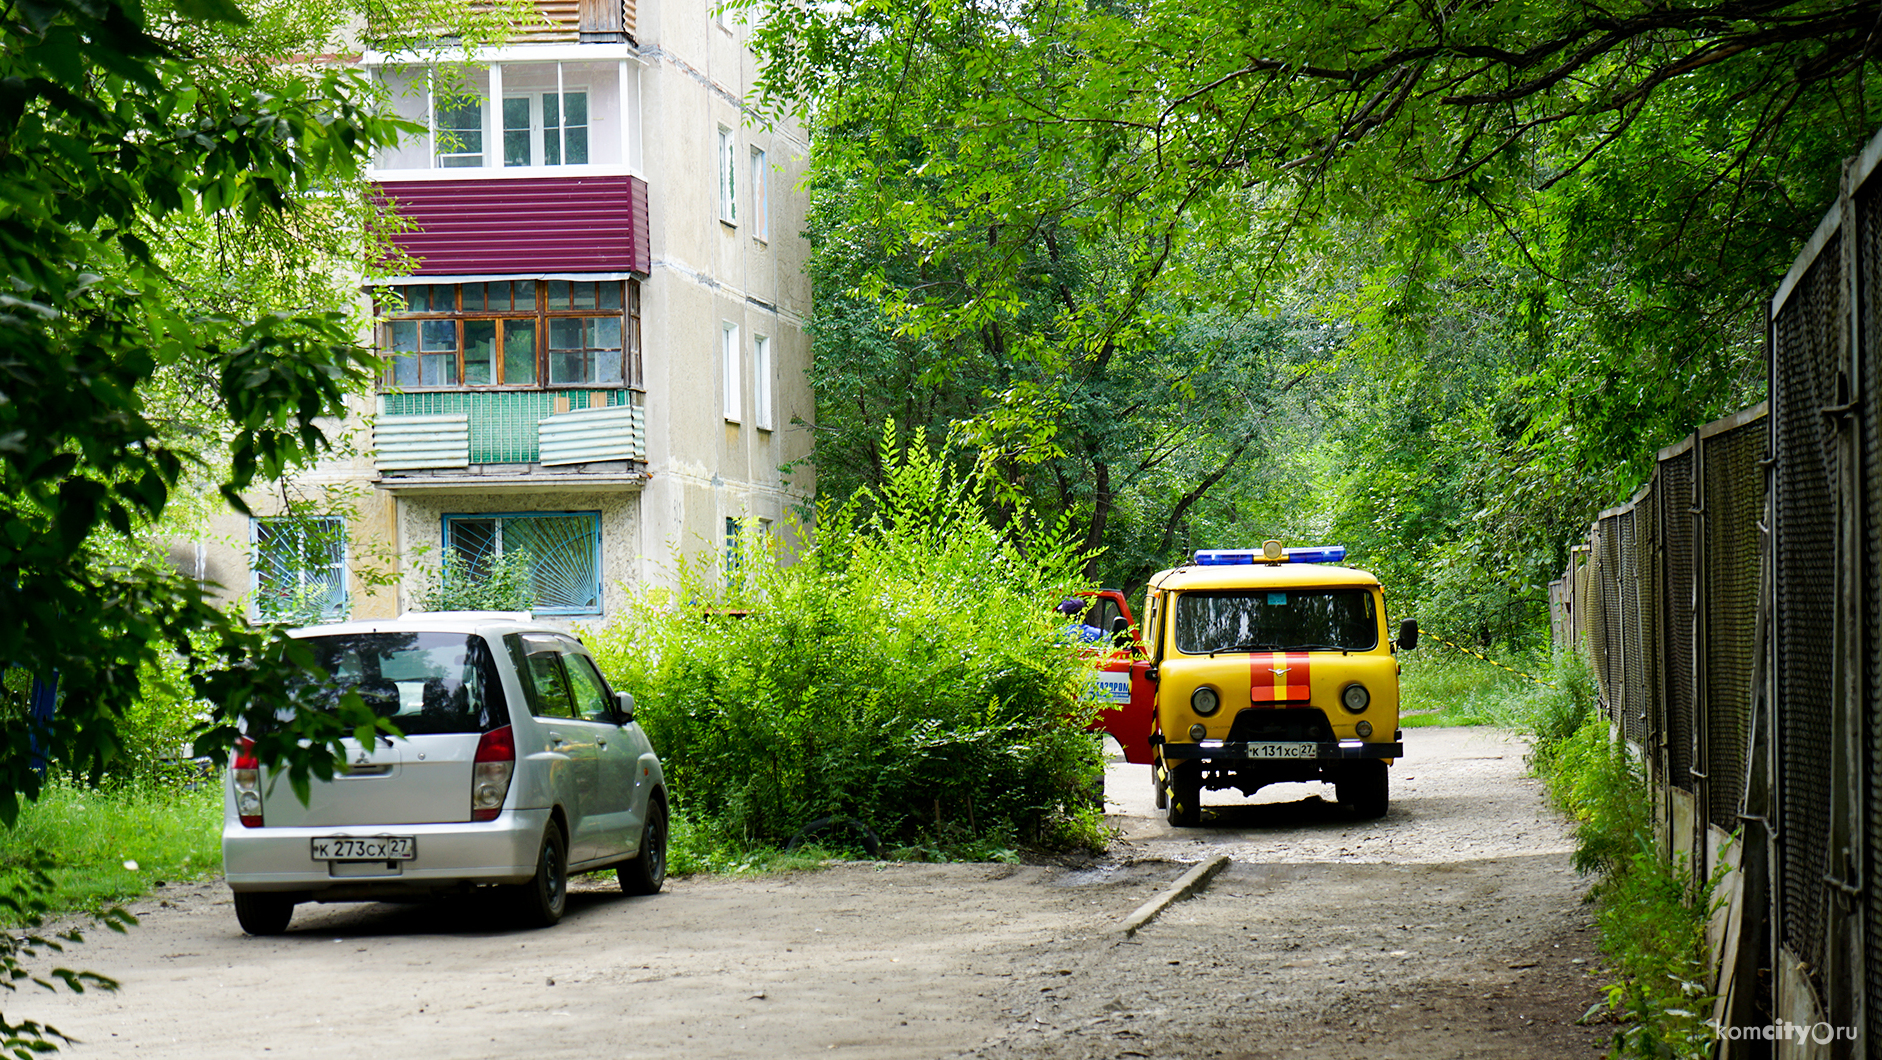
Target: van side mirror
1408, 634
624, 706
1121, 632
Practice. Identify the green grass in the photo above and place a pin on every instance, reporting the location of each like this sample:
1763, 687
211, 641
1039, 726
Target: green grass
1440, 686
694, 848
112, 844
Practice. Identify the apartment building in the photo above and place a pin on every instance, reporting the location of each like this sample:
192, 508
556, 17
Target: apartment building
597, 353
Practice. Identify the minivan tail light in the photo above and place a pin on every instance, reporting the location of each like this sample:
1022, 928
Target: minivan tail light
246, 773
490, 773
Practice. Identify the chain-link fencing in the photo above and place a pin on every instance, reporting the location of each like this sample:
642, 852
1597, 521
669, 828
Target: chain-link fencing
1732, 616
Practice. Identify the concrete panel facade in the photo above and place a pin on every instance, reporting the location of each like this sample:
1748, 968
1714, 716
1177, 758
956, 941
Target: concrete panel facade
684, 78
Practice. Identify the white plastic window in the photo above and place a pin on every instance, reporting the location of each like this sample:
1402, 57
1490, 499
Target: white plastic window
728, 176
761, 381
760, 196
508, 115
730, 369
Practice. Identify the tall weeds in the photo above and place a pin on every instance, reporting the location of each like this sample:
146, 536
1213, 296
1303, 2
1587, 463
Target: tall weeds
906, 671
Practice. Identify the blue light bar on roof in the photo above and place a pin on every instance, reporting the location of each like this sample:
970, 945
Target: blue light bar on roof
1233, 557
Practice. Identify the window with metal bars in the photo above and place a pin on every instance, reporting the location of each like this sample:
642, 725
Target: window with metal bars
564, 550
299, 568
515, 334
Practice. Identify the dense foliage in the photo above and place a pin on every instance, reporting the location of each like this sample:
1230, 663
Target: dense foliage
1526, 242
110, 130
907, 671
493, 583
183, 221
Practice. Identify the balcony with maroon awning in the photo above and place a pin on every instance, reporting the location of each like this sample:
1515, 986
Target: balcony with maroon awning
534, 225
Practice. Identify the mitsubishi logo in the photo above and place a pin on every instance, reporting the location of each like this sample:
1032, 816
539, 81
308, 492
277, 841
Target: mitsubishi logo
363, 759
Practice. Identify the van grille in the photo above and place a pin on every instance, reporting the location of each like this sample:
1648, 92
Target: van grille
1281, 725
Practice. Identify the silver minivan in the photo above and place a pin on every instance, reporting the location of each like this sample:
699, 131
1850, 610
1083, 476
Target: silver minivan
517, 766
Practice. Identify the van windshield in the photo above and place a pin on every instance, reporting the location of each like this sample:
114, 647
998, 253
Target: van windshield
426, 683
1276, 620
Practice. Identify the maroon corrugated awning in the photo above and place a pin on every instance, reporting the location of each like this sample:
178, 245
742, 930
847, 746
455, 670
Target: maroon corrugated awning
530, 224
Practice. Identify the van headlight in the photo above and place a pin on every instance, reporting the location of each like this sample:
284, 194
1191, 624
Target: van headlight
1205, 701
1355, 698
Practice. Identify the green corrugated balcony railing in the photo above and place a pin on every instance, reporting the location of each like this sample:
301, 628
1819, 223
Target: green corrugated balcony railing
503, 423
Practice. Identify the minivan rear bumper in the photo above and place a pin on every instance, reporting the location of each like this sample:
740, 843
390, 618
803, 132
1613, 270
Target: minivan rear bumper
448, 855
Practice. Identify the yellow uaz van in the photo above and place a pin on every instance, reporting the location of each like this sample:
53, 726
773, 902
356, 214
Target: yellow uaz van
1271, 665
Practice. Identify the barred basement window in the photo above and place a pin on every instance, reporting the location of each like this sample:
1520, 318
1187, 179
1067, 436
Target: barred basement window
511, 333
299, 568
564, 553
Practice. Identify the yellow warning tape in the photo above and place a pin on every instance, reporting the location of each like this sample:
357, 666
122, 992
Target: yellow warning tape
1492, 662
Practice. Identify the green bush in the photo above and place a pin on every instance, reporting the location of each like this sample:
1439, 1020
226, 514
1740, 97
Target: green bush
1553, 712
907, 671
492, 583
152, 737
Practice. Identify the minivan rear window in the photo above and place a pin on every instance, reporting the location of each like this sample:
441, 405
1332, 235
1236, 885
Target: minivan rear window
426, 683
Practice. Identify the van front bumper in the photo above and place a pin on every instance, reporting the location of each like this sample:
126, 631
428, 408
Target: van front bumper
1222, 750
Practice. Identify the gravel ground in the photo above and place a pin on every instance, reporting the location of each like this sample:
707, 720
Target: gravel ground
1451, 928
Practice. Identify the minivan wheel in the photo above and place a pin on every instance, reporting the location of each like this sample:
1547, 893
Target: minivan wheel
541, 901
647, 873
263, 912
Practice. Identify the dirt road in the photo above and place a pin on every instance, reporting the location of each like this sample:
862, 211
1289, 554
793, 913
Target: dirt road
1452, 928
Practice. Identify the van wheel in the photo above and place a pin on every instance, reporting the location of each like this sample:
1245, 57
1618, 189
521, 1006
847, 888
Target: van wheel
1366, 787
541, 901
1185, 794
263, 912
647, 873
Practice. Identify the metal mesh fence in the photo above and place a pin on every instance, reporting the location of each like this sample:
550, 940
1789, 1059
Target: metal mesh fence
1633, 670
1646, 699
1595, 610
1678, 622
1734, 504
1869, 261
1610, 575
1673, 489
1802, 384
